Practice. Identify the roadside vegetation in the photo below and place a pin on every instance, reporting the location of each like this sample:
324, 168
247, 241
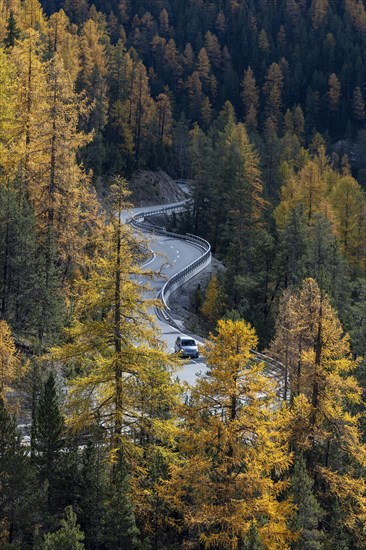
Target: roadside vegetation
261, 106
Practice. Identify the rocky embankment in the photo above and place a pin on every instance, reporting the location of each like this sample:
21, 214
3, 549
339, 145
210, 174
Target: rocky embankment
149, 188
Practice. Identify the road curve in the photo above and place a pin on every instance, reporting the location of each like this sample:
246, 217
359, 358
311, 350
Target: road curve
170, 256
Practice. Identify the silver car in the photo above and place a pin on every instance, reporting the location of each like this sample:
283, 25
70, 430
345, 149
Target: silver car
187, 347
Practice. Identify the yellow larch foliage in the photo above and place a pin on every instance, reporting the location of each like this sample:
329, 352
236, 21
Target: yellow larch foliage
307, 187
318, 11
9, 125
348, 202
233, 449
11, 367
28, 15
64, 40
338, 197
311, 342
123, 373
211, 306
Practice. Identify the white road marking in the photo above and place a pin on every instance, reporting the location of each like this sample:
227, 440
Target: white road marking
149, 261
171, 246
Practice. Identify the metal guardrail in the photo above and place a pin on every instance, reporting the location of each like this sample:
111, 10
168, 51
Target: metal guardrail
188, 272
138, 221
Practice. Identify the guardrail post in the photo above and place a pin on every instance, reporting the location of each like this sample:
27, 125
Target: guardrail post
137, 220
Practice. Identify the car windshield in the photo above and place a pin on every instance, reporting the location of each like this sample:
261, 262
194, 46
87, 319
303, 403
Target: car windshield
188, 343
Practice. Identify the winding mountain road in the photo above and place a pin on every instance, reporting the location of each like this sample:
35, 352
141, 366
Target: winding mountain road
170, 256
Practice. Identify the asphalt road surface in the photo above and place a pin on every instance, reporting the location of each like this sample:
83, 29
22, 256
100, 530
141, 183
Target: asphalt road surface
170, 256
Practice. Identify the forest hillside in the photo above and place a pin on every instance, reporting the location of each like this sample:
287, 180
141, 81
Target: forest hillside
260, 106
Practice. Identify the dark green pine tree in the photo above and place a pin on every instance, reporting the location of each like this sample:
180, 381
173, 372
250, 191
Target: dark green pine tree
93, 484
120, 529
161, 534
18, 492
49, 303
337, 537
327, 265
18, 274
309, 513
12, 31
252, 540
292, 255
68, 486
68, 537
49, 439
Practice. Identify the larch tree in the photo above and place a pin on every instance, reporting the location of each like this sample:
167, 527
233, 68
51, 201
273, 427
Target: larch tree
64, 40
357, 12
318, 10
32, 106
232, 450
188, 57
9, 125
122, 373
213, 50
64, 205
263, 43
308, 188
141, 112
31, 15
272, 90
212, 305
11, 368
323, 390
164, 118
173, 68
334, 93
348, 200
92, 77
203, 66
250, 97
164, 27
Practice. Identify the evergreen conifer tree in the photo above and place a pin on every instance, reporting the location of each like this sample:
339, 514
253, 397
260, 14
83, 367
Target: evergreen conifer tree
93, 487
120, 530
19, 506
252, 540
49, 440
12, 31
68, 537
308, 513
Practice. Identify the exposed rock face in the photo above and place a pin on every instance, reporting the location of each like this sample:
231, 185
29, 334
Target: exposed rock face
149, 188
